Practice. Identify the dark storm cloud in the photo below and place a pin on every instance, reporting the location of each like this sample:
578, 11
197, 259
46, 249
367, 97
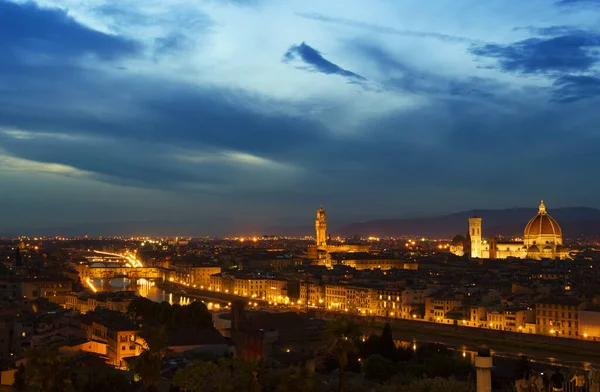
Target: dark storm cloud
572, 51
26, 29
317, 62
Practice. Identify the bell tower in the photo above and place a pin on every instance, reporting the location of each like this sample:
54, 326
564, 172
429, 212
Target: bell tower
475, 234
321, 227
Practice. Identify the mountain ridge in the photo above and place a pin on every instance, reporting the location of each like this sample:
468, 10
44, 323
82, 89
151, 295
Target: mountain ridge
575, 221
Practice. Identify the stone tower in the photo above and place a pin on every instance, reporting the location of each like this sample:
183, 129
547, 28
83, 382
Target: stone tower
475, 234
321, 227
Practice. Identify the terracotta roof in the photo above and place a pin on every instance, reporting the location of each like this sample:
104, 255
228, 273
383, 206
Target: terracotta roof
533, 249
542, 224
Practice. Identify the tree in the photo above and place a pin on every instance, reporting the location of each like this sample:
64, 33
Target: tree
431, 385
295, 380
387, 347
370, 346
378, 368
20, 381
225, 375
148, 364
46, 371
101, 381
194, 316
342, 333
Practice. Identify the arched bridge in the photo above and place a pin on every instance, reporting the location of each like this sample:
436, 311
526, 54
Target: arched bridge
93, 272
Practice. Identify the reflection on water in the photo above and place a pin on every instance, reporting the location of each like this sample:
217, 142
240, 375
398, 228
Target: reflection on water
505, 362
144, 288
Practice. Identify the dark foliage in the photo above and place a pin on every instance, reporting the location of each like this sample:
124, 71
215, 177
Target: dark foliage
194, 316
378, 368
387, 347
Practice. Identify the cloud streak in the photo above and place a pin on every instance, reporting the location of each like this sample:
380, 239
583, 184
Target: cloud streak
575, 3
317, 63
384, 29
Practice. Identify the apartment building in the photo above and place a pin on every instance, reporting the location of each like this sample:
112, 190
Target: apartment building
558, 316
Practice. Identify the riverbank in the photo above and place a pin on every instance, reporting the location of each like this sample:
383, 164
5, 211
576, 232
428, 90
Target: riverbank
568, 352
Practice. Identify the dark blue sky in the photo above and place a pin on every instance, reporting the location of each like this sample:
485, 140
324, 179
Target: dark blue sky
235, 115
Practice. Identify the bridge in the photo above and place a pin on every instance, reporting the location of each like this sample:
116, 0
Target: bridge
93, 272
106, 266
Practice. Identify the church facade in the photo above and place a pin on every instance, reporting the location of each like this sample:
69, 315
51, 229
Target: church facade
542, 240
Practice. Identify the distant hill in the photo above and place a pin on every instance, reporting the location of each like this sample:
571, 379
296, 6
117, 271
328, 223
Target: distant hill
574, 221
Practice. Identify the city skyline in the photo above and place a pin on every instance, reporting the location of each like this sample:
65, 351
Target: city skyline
241, 113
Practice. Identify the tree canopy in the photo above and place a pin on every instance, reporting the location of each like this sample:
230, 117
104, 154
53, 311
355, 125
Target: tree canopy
194, 316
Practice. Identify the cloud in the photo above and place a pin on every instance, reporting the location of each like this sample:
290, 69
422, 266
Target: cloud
567, 56
572, 51
11, 163
317, 62
571, 88
573, 3
384, 29
28, 30
397, 75
220, 127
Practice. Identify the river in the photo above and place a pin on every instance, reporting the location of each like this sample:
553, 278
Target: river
148, 289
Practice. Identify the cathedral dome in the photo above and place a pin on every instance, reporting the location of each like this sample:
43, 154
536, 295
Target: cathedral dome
458, 240
542, 225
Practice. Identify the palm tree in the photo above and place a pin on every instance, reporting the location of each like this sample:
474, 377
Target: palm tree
342, 334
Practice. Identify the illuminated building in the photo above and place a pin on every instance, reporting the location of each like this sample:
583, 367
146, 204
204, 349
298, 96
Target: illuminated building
515, 320
321, 249
312, 294
117, 331
321, 227
558, 316
438, 305
542, 240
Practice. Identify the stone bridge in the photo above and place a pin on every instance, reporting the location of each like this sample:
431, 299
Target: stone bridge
115, 272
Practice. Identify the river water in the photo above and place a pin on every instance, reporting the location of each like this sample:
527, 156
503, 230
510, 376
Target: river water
145, 288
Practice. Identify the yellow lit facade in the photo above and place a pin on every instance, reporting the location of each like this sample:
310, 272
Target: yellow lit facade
336, 297
321, 249
437, 307
312, 293
542, 240
388, 303
558, 317
518, 320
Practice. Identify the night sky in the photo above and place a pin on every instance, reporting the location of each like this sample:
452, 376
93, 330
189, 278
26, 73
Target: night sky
230, 115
